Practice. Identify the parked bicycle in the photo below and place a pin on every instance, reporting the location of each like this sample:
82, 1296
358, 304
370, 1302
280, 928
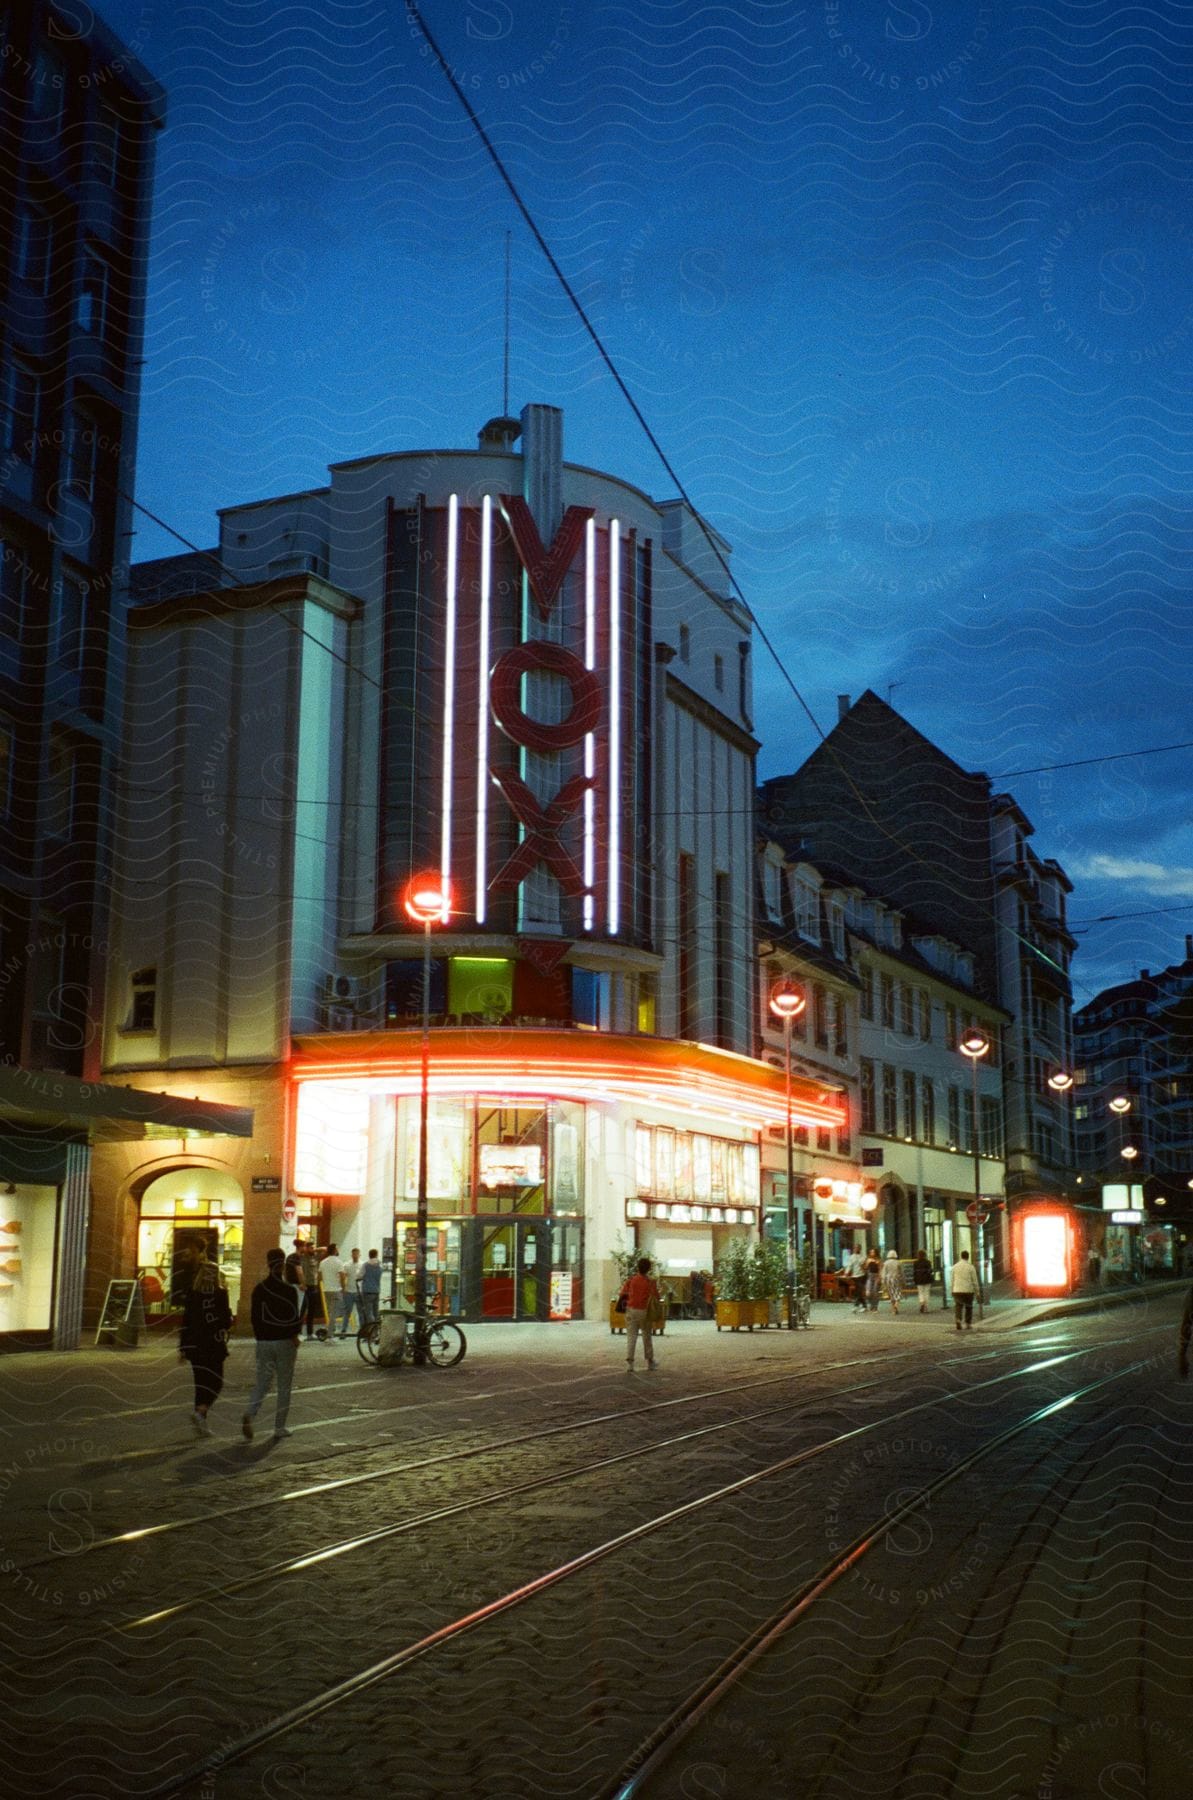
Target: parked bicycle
428, 1338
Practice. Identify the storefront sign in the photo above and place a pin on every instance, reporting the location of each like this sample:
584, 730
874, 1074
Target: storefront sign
511, 1165
1126, 1218
266, 1184
560, 1306
871, 1159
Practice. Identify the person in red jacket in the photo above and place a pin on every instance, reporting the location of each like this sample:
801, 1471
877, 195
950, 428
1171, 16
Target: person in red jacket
639, 1292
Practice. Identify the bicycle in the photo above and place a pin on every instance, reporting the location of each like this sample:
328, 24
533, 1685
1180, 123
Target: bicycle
439, 1341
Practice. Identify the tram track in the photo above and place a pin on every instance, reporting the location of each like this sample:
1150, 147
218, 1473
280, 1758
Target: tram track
355, 1684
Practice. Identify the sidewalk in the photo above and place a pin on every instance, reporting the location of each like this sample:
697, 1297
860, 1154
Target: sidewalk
1005, 1309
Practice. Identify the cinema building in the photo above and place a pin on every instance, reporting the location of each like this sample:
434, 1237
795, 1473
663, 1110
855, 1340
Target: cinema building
529, 681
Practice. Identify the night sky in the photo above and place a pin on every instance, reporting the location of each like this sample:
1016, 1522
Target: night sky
904, 290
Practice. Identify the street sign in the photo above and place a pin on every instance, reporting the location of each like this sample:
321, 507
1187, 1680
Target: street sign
976, 1213
289, 1212
266, 1184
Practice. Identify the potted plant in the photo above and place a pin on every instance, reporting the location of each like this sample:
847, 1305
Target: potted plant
735, 1303
768, 1280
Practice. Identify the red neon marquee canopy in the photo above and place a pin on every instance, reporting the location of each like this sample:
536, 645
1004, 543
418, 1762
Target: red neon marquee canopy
574, 1064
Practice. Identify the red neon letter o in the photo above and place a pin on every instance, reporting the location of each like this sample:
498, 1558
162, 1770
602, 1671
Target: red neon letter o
506, 701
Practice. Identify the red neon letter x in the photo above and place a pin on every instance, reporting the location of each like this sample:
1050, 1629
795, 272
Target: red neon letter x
541, 843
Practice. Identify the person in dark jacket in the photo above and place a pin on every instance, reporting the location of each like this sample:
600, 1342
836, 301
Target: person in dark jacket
921, 1274
206, 1322
276, 1307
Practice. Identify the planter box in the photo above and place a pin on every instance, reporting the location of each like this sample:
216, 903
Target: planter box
736, 1315
617, 1321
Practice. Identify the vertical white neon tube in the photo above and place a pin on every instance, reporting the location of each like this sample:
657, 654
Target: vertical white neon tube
590, 738
449, 699
482, 711
614, 726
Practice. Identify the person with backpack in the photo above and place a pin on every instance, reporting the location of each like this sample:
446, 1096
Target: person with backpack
921, 1274
640, 1294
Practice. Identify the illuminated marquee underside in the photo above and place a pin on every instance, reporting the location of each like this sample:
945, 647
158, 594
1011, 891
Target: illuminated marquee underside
691, 1078
561, 779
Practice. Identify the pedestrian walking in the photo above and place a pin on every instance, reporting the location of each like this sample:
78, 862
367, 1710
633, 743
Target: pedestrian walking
964, 1280
370, 1289
331, 1279
641, 1294
873, 1280
892, 1280
276, 1308
206, 1322
856, 1271
921, 1274
353, 1270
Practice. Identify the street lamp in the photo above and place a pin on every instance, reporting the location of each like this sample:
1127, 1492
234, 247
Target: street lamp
1060, 1081
975, 1044
427, 901
787, 1002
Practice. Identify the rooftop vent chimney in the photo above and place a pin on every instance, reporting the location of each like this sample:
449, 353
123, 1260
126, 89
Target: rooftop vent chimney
842, 706
499, 434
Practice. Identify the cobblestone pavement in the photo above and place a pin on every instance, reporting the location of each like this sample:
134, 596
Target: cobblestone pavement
1047, 1554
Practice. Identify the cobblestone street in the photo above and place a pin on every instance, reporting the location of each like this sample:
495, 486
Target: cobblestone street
172, 1596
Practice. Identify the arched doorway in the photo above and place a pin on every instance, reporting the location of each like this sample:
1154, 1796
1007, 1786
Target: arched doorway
178, 1204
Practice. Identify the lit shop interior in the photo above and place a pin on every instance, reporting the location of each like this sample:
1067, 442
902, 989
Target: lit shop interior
529, 1194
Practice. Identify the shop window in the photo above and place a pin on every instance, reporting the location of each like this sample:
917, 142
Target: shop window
592, 998
664, 1164
142, 1014
643, 1160
448, 1184
177, 1207
480, 987
511, 1146
28, 1217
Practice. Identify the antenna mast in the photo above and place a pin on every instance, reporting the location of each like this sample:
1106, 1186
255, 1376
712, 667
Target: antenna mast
505, 369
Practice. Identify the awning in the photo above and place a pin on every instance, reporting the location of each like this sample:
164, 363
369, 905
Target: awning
43, 1102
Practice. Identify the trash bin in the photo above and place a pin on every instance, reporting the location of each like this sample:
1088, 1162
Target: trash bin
391, 1338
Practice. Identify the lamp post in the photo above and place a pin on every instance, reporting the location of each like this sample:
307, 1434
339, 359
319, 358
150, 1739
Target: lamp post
787, 1003
427, 900
975, 1044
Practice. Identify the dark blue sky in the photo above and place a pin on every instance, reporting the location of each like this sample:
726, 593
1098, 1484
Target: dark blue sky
905, 290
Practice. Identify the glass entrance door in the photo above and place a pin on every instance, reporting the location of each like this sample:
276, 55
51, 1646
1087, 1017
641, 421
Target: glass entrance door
515, 1268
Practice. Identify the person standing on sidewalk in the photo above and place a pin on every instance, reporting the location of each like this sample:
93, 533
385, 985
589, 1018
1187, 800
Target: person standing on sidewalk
856, 1271
370, 1289
873, 1281
641, 1293
892, 1280
353, 1270
965, 1285
275, 1316
206, 1322
310, 1284
921, 1274
331, 1277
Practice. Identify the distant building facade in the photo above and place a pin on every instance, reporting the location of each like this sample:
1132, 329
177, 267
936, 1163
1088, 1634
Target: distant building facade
528, 680
935, 841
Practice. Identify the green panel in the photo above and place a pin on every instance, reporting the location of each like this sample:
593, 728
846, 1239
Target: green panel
480, 984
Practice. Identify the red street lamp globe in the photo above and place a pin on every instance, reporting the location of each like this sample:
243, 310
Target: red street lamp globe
427, 898
975, 1043
787, 1001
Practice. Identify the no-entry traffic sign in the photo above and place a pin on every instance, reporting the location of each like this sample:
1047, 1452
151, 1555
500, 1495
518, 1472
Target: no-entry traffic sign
976, 1213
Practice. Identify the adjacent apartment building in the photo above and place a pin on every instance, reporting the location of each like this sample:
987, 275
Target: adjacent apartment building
528, 680
80, 118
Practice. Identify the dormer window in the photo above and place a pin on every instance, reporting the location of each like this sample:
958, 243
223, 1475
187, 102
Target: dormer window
807, 911
772, 889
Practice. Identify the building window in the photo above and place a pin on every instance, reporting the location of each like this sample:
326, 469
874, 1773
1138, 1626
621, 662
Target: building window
866, 1072
991, 1127
866, 998
950, 1027
91, 306
685, 644
47, 84
31, 251
820, 1016
911, 1124
925, 1016
104, 162
16, 585
928, 1108
840, 1027
718, 673
647, 1005
18, 408
724, 970
743, 681
688, 1014
61, 767
82, 442
907, 1009
142, 1014
954, 1118
72, 621
836, 925
824, 1138
888, 1002
772, 889
807, 912
890, 1102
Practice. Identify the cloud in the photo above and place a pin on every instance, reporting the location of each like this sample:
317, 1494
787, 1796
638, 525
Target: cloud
1157, 878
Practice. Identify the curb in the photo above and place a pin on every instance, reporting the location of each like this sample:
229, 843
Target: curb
1064, 1309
